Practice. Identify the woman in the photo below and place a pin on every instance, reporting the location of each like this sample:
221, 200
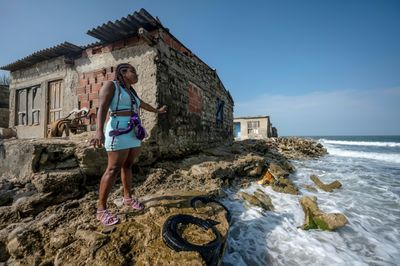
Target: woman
119, 139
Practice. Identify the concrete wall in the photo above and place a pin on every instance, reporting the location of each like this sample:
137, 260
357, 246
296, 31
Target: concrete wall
4, 106
264, 131
41, 74
190, 89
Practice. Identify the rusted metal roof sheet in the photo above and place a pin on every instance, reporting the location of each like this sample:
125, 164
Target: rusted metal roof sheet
125, 27
64, 48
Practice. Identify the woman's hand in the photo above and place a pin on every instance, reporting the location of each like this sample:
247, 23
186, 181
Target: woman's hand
162, 110
98, 141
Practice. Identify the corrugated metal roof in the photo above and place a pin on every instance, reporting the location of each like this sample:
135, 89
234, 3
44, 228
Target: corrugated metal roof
125, 27
64, 48
91, 45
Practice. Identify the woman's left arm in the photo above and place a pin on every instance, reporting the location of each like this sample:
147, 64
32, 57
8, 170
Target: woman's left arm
150, 108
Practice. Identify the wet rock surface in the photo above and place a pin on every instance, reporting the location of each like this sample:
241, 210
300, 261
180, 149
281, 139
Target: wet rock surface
325, 187
49, 195
317, 219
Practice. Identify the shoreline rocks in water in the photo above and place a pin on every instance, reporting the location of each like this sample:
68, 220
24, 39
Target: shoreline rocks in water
49, 195
314, 218
325, 187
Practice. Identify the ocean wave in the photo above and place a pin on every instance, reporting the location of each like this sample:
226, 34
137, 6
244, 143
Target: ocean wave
387, 157
360, 143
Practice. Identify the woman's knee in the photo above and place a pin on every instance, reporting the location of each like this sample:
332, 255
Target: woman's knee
114, 169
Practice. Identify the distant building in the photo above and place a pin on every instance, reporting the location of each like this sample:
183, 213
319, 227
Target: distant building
4, 106
255, 127
50, 83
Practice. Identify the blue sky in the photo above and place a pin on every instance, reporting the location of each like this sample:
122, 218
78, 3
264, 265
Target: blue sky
316, 67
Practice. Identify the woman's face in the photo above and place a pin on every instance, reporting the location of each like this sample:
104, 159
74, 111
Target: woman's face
130, 75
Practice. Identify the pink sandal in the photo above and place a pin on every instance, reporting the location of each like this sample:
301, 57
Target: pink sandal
134, 203
106, 218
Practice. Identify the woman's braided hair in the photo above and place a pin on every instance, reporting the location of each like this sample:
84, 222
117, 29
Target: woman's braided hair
121, 68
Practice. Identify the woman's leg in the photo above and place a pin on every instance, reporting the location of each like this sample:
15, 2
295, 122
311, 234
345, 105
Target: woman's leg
115, 161
126, 174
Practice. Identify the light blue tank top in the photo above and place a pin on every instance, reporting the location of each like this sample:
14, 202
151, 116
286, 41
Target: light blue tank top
124, 100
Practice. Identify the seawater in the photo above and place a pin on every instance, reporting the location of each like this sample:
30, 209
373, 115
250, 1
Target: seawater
368, 168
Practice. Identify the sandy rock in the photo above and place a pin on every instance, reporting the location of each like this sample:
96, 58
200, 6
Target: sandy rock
8, 215
249, 165
61, 181
326, 187
52, 218
314, 218
4, 255
259, 200
310, 188
92, 162
25, 242
266, 179
61, 238
6, 197
284, 185
265, 198
277, 171
299, 148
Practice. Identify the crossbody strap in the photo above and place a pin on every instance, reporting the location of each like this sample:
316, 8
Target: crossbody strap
116, 85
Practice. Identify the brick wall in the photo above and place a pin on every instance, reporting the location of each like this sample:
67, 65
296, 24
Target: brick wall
88, 90
195, 99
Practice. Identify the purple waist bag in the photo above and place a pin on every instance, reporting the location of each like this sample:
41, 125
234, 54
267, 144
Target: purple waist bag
135, 123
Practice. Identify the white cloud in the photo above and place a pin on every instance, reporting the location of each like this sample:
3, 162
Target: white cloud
342, 112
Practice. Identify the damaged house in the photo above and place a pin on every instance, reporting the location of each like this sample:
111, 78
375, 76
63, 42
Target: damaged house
47, 85
4, 106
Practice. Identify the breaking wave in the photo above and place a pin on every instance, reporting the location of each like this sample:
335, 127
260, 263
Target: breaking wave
387, 157
360, 143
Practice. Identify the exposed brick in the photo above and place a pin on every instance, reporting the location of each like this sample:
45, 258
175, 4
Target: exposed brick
95, 103
195, 103
96, 87
110, 76
83, 98
84, 104
93, 96
100, 78
97, 50
132, 40
89, 75
118, 45
107, 48
92, 80
83, 82
81, 90
89, 52
88, 88
100, 75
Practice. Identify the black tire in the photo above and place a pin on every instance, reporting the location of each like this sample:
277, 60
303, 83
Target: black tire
206, 200
210, 251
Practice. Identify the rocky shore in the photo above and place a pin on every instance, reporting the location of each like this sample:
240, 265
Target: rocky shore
48, 195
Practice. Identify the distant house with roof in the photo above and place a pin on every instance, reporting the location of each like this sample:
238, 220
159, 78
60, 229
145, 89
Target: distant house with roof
253, 127
47, 85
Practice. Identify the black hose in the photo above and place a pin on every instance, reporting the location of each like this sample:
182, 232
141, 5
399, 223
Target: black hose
210, 251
